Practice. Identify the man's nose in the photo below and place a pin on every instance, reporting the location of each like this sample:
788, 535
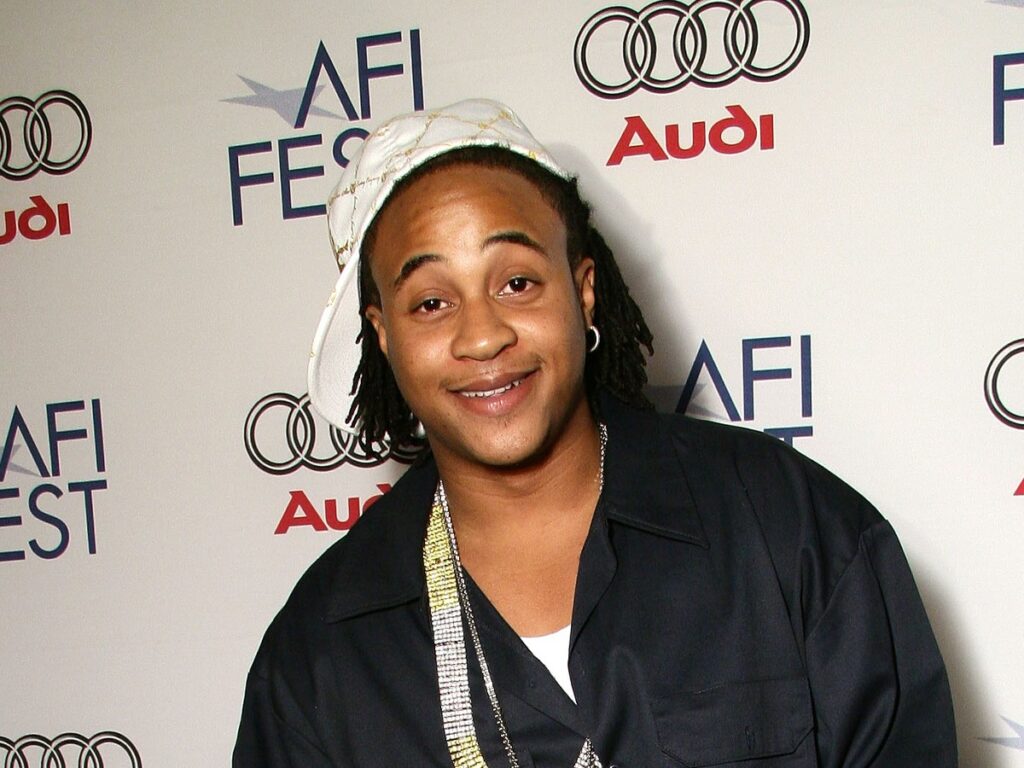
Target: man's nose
483, 330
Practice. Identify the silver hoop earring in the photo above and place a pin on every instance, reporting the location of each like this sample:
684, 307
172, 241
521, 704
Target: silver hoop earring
418, 430
597, 338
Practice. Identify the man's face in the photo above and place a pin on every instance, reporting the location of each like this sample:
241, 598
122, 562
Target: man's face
481, 317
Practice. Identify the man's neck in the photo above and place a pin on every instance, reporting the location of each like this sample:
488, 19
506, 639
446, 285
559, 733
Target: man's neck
508, 503
521, 531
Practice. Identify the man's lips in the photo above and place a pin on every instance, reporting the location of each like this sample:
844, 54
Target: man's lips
490, 392
492, 386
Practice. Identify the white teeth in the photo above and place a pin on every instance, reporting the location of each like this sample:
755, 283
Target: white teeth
492, 392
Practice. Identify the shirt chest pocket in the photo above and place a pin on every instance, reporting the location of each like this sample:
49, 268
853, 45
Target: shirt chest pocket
756, 724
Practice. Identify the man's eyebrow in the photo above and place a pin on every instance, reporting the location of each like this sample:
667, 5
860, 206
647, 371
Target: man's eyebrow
509, 236
516, 237
412, 265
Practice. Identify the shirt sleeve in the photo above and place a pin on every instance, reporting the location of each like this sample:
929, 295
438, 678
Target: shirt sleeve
266, 739
881, 696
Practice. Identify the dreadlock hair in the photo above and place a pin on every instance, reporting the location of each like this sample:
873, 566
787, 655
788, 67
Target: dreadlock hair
617, 365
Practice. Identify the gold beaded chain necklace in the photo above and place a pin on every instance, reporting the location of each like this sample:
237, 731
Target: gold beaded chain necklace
449, 603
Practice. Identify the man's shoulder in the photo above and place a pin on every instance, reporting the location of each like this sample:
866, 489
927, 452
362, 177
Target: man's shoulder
769, 467
374, 565
810, 520
730, 470
711, 441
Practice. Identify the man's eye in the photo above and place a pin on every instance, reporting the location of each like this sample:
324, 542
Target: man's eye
431, 305
517, 285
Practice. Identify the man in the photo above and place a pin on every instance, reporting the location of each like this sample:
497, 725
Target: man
566, 578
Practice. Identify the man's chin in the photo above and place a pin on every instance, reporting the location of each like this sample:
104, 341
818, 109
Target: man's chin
501, 452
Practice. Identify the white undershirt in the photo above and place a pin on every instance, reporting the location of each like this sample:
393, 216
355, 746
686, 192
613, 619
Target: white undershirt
553, 652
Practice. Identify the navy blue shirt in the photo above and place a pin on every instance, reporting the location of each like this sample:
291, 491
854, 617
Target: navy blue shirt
736, 605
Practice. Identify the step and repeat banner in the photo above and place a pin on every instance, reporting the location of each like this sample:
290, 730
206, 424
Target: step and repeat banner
817, 203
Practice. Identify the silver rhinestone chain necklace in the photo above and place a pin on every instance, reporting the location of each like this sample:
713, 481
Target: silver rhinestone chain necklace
449, 602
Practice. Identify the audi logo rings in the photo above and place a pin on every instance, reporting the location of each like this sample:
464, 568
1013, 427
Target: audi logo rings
34, 751
40, 148
992, 397
298, 447
690, 46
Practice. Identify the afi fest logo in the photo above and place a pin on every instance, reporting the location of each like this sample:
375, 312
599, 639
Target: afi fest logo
670, 44
783, 359
390, 62
50, 134
70, 750
1001, 94
1004, 388
282, 434
35, 482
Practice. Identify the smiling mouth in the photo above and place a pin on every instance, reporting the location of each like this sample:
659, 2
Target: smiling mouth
492, 392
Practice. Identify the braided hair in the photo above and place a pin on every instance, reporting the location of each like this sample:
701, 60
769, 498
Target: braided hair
617, 365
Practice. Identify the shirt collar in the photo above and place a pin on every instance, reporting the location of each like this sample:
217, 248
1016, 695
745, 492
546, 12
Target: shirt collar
645, 487
645, 474
380, 560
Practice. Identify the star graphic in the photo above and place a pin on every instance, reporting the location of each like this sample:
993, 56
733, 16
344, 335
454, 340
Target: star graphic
17, 468
285, 103
698, 410
666, 399
1013, 742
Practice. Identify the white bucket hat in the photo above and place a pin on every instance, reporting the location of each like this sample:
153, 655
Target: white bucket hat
387, 155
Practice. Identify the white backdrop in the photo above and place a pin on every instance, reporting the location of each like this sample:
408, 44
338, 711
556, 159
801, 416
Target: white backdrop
869, 251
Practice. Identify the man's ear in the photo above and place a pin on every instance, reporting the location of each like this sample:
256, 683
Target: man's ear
376, 318
584, 276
